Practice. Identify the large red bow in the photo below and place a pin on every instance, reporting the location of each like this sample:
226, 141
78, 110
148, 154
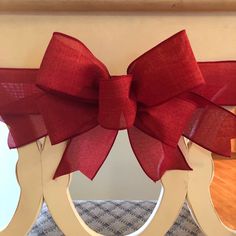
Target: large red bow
154, 102
160, 99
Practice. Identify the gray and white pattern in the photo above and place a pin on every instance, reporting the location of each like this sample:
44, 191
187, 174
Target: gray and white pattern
116, 218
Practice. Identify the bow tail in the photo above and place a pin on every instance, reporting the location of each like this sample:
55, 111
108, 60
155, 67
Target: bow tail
87, 152
154, 156
211, 126
18, 106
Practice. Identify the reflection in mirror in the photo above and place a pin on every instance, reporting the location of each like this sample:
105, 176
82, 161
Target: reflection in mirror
120, 178
223, 189
9, 188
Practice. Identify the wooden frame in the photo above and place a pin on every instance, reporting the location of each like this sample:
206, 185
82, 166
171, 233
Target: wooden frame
194, 186
38, 172
116, 5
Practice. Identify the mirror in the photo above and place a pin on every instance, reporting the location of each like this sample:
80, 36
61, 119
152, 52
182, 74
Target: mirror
9, 188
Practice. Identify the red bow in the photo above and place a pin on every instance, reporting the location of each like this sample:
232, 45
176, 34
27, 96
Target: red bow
160, 99
154, 102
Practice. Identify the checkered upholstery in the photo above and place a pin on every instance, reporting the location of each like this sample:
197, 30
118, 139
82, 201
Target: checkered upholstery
115, 218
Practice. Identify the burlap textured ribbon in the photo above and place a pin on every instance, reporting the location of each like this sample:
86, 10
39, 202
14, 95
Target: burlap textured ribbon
165, 94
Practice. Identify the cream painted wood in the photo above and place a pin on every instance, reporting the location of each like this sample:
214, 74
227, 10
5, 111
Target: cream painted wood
62, 205
73, 223
37, 164
56, 193
35, 171
36, 168
175, 185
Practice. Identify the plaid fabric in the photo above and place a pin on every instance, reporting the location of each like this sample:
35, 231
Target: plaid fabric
116, 218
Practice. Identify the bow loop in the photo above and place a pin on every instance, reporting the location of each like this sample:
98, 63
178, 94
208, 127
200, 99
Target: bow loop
69, 68
165, 71
116, 109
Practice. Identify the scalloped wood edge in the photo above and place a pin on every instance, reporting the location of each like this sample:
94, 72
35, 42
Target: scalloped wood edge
35, 171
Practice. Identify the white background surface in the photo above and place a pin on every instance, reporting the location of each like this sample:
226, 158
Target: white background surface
9, 188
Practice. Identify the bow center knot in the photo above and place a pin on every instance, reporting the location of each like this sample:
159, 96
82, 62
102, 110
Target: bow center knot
116, 108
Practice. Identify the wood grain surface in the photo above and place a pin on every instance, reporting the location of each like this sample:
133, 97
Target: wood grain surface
223, 190
116, 5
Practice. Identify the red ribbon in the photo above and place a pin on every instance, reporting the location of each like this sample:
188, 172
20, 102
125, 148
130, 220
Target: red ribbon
164, 95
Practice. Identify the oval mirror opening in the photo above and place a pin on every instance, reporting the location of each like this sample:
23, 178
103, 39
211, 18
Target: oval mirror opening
120, 190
